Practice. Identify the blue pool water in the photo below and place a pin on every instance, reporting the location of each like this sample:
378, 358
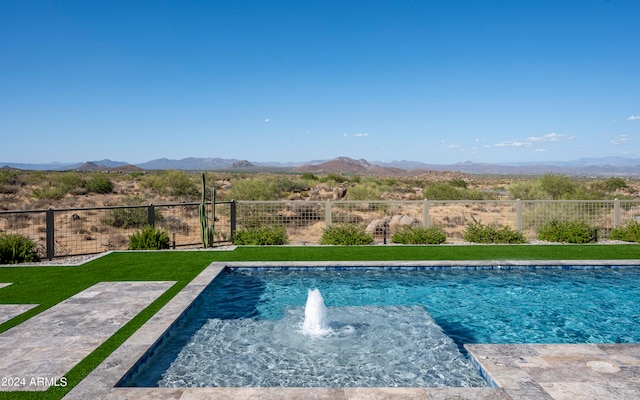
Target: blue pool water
390, 327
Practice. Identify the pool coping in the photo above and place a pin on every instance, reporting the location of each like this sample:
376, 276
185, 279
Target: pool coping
102, 381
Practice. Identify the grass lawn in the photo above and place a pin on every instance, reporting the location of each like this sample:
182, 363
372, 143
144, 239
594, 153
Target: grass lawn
49, 285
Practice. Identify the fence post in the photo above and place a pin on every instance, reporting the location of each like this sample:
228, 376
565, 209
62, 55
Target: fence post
151, 215
50, 229
232, 222
518, 215
327, 213
616, 213
425, 214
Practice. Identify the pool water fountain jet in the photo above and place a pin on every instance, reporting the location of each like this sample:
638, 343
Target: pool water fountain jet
315, 315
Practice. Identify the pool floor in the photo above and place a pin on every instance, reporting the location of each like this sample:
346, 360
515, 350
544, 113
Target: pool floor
519, 371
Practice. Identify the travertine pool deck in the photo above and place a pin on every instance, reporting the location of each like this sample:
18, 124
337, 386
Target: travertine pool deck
522, 371
10, 311
37, 353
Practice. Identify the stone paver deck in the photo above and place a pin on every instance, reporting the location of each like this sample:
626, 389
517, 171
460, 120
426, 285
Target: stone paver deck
10, 311
42, 349
562, 371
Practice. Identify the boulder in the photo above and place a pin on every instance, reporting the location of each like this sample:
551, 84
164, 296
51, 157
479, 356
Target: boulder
403, 220
377, 227
339, 193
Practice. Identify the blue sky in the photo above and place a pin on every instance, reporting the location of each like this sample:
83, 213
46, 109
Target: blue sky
424, 80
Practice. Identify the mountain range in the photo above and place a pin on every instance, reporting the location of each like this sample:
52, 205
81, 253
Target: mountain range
604, 166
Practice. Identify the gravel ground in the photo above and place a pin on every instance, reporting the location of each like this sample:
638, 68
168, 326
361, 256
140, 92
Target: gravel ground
72, 261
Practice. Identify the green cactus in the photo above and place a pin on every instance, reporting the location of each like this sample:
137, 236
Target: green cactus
206, 228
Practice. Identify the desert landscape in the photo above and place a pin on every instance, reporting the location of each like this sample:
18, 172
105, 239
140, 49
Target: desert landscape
89, 217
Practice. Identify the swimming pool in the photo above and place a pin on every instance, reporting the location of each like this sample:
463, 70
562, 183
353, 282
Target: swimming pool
469, 306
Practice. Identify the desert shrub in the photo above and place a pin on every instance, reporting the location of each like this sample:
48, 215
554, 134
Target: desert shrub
459, 183
478, 232
149, 238
557, 186
8, 177
310, 176
261, 236
17, 249
574, 231
443, 191
49, 193
334, 177
180, 184
287, 185
173, 183
129, 217
253, 189
58, 185
69, 180
364, 191
615, 183
345, 235
419, 235
527, 190
630, 232
99, 183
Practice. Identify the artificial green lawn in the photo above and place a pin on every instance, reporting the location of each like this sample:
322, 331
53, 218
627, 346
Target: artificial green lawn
50, 285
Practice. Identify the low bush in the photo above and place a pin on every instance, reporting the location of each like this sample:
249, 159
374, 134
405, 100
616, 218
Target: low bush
567, 231
630, 232
477, 232
130, 217
345, 235
127, 217
49, 193
172, 183
16, 249
99, 183
149, 238
419, 235
254, 189
261, 236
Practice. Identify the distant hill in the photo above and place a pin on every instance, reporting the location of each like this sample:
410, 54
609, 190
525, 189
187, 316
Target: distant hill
94, 166
604, 166
242, 164
350, 166
190, 163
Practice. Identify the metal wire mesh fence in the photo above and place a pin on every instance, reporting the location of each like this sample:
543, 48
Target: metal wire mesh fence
454, 216
77, 231
600, 215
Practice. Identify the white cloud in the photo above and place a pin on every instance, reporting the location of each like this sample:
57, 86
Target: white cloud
359, 134
619, 140
531, 140
551, 137
511, 143
267, 119
634, 118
